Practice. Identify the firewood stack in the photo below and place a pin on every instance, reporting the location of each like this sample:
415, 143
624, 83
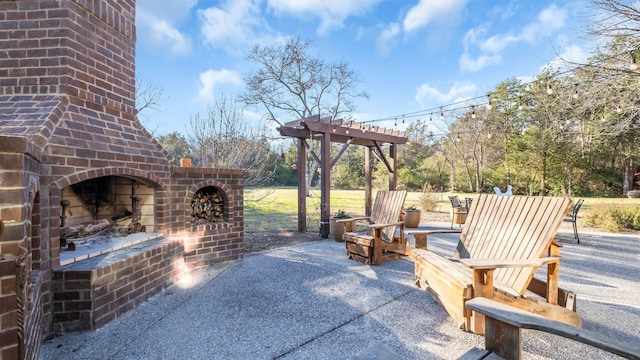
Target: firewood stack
207, 207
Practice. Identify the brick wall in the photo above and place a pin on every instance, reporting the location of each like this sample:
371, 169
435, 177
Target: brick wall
23, 251
215, 242
47, 50
90, 293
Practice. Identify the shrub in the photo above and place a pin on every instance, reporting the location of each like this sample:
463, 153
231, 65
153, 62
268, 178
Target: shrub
341, 214
428, 199
614, 218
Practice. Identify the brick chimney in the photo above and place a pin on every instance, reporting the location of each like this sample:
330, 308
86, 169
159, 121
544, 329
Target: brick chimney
67, 117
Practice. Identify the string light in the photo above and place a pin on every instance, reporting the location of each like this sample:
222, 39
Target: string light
634, 65
473, 112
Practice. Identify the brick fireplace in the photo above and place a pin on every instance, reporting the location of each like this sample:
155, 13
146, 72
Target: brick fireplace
68, 125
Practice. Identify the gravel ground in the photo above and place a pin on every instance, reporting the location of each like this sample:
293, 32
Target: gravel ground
307, 301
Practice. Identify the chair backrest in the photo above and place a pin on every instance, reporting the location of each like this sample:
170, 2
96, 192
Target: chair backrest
387, 209
575, 209
455, 201
510, 228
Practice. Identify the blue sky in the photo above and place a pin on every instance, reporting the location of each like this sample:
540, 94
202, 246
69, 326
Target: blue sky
410, 54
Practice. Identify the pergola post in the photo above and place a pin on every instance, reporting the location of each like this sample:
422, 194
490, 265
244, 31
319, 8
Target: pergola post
302, 186
393, 179
325, 185
367, 180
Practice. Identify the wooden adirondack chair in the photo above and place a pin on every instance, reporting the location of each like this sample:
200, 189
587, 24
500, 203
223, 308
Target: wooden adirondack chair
504, 241
380, 243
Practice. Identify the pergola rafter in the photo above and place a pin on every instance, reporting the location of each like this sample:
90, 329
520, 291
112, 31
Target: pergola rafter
328, 131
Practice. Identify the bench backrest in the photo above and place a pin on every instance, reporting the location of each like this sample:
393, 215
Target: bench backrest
387, 209
511, 227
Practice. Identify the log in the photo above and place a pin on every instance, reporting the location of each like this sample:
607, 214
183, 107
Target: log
84, 229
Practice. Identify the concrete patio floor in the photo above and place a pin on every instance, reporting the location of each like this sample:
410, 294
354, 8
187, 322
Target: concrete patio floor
307, 301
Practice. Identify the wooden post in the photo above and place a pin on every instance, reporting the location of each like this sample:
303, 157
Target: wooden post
482, 287
325, 185
367, 181
302, 186
503, 339
553, 271
393, 152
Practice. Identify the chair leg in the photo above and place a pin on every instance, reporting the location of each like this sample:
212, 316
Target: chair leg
575, 231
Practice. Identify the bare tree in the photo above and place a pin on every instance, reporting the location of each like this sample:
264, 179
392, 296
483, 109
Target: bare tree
616, 17
290, 84
149, 95
224, 138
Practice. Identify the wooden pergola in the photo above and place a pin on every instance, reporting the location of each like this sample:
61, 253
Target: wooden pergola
328, 131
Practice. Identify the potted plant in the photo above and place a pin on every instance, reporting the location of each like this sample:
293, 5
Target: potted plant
412, 217
337, 227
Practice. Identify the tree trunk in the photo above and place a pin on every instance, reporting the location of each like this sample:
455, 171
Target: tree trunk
543, 174
627, 176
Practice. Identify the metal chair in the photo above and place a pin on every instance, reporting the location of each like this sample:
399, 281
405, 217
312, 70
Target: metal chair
573, 218
458, 209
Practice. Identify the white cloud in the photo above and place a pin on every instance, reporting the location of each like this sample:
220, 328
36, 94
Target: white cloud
570, 55
548, 21
426, 93
482, 61
386, 37
211, 79
332, 13
425, 11
165, 34
234, 25
156, 25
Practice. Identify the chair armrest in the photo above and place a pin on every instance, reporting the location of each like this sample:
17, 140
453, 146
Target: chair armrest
352, 219
430, 232
482, 264
420, 235
380, 226
521, 319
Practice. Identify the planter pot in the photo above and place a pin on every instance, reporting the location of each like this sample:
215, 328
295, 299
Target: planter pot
336, 229
412, 218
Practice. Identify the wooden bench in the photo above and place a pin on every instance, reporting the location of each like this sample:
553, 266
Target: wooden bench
503, 335
380, 243
505, 240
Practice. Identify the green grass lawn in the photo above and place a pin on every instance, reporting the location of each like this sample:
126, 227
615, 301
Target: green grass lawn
276, 209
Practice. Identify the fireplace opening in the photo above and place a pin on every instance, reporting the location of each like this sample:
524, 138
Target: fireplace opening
99, 209
209, 206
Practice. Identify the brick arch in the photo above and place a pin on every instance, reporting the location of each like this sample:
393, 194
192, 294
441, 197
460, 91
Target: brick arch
31, 209
110, 171
195, 187
228, 195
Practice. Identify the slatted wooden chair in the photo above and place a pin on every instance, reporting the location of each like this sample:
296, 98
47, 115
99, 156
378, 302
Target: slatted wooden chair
380, 242
504, 241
